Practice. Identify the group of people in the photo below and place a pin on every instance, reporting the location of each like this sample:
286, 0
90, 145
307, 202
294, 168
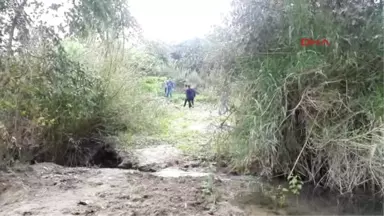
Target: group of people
190, 93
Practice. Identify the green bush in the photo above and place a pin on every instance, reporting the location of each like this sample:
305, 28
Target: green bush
153, 84
74, 96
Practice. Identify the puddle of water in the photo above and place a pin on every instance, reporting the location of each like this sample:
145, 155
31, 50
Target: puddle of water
175, 173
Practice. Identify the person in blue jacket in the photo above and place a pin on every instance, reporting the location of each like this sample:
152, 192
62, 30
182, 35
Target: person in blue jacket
190, 96
170, 86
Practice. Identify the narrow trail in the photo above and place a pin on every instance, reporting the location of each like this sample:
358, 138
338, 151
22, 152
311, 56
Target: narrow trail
172, 182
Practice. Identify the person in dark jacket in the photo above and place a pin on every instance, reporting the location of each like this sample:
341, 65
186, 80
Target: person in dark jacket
190, 96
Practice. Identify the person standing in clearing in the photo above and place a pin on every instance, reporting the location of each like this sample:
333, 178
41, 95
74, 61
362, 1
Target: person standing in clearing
165, 87
170, 87
190, 96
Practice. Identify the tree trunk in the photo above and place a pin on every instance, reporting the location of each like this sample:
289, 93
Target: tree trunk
9, 53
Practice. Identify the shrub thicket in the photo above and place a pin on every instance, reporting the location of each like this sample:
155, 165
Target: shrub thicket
62, 96
314, 111
62, 101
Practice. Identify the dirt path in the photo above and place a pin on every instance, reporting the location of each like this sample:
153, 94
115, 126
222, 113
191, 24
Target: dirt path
175, 186
171, 182
49, 189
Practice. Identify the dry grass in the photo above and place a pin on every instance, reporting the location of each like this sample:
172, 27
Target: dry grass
314, 111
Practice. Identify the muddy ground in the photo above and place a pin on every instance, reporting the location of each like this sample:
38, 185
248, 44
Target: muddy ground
164, 180
48, 189
174, 186
168, 182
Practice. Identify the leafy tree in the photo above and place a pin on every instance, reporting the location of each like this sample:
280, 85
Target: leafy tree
190, 54
107, 18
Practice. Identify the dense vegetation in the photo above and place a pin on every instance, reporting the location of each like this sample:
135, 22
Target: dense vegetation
63, 94
312, 111
316, 112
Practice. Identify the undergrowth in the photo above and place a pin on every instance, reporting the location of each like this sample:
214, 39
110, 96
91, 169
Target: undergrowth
65, 99
316, 111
